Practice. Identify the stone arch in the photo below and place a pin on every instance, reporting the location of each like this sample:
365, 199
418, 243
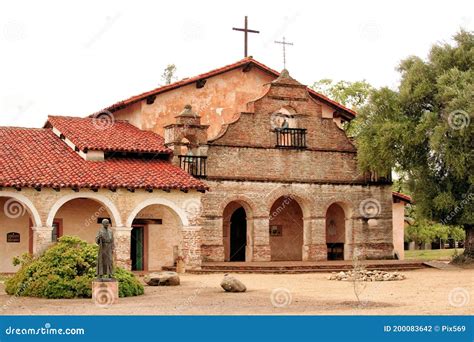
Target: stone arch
346, 205
249, 209
338, 228
301, 198
30, 207
109, 205
160, 201
245, 202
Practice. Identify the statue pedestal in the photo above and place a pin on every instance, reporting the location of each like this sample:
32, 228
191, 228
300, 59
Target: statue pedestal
105, 292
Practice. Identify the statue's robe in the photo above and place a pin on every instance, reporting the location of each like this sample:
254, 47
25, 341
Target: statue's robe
105, 240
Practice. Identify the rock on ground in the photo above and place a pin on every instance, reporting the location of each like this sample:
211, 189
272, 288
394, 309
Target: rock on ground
231, 284
162, 279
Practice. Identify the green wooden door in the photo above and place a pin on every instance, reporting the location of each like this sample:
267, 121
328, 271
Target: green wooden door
137, 248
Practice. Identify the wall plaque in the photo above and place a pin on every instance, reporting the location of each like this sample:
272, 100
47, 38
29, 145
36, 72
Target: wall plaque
13, 237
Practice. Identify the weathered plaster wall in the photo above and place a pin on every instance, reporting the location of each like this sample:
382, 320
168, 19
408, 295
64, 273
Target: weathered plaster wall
399, 228
17, 222
217, 102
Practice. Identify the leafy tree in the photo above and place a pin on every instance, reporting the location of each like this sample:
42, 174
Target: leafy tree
169, 74
424, 132
423, 231
350, 94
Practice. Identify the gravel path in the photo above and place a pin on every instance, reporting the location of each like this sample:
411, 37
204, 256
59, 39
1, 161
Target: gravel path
425, 291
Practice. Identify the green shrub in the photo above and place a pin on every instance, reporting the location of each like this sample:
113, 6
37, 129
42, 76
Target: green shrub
65, 270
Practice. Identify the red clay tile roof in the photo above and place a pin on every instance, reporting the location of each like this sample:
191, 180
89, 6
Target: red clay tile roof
248, 60
36, 157
401, 197
103, 133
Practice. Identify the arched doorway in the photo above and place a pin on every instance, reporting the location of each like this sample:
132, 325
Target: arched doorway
335, 232
238, 235
79, 216
286, 230
156, 238
235, 232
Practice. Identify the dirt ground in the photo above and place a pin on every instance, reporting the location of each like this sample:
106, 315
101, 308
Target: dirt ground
425, 291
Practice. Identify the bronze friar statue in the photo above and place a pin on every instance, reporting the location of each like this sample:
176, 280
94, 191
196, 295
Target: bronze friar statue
105, 260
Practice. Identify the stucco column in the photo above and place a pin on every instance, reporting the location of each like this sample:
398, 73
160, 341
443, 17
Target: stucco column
42, 238
122, 239
261, 239
192, 247
315, 236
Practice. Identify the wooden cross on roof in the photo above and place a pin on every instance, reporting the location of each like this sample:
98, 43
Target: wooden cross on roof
246, 30
284, 43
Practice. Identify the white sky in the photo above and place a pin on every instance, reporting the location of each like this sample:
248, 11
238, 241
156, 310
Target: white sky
76, 57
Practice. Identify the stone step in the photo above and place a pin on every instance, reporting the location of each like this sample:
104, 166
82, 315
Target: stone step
292, 269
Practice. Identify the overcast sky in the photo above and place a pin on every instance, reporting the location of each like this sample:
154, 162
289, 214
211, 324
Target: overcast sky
74, 58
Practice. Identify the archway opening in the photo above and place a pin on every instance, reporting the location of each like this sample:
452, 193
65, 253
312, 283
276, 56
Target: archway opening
16, 234
335, 232
235, 232
155, 238
286, 230
80, 217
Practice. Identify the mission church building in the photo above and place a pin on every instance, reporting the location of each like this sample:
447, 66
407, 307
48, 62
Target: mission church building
238, 164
